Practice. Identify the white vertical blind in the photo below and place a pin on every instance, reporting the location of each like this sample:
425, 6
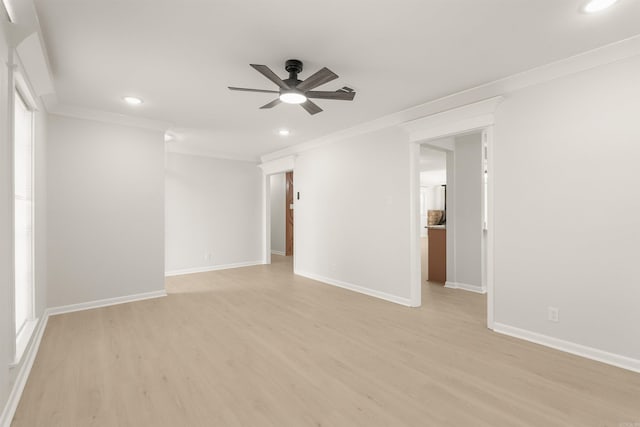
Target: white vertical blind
23, 212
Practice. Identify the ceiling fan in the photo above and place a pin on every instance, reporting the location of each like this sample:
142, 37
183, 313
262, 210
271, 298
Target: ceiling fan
295, 91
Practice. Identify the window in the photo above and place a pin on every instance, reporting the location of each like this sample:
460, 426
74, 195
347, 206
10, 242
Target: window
23, 222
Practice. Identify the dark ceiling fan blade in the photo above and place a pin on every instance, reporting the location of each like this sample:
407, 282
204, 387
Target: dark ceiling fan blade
244, 89
323, 76
311, 107
339, 95
266, 71
271, 104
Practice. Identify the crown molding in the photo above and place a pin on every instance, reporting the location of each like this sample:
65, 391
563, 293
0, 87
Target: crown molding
76, 112
604, 55
34, 61
180, 148
53, 107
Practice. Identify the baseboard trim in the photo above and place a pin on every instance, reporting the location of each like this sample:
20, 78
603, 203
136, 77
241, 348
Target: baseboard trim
360, 289
465, 287
211, 268
570, 347
104, 302
278, 253
23, 374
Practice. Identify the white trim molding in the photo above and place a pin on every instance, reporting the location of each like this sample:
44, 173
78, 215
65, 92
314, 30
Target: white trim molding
76, 112
355, 288
104, 302
465, 287
211, 268
185, 149
284, 164
23, 374
278, 253
35, 62
23, 340
570, 347
478, 115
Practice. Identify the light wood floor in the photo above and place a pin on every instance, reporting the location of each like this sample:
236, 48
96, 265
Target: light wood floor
260, 347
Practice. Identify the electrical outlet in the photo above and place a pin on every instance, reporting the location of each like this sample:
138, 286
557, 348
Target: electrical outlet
553, 314
208, 256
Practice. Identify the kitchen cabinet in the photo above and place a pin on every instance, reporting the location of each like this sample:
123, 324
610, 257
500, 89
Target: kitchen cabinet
437, 236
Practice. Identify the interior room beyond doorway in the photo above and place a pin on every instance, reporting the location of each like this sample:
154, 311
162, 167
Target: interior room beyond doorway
453, 211
281, 214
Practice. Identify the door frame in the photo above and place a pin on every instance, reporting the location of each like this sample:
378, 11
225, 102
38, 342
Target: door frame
274, 167
478, 116
288, 213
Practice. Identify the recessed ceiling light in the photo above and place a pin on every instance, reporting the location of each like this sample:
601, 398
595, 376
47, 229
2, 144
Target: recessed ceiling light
293, 97
132, 100
597, 5
284, 132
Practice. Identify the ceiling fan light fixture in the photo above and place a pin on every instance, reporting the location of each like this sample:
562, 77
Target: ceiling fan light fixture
594, 6
300, 92
292, 97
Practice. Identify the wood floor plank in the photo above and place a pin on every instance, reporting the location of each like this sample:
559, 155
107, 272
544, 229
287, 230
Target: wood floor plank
259, 346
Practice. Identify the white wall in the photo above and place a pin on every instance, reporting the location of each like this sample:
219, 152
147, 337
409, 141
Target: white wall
468, 210
351, 219
278, 212
567, 203
213, 210
106, 211
432, 198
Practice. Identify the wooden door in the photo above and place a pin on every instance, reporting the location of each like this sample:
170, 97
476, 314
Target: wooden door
289, 215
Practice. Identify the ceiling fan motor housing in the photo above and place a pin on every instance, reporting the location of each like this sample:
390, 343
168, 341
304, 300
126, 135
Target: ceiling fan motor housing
293, 67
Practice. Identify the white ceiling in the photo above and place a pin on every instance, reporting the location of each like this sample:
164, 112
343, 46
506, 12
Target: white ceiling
180, 56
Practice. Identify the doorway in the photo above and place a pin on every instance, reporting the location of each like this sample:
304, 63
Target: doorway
458, 228
453, 182
433, 184
281, 218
